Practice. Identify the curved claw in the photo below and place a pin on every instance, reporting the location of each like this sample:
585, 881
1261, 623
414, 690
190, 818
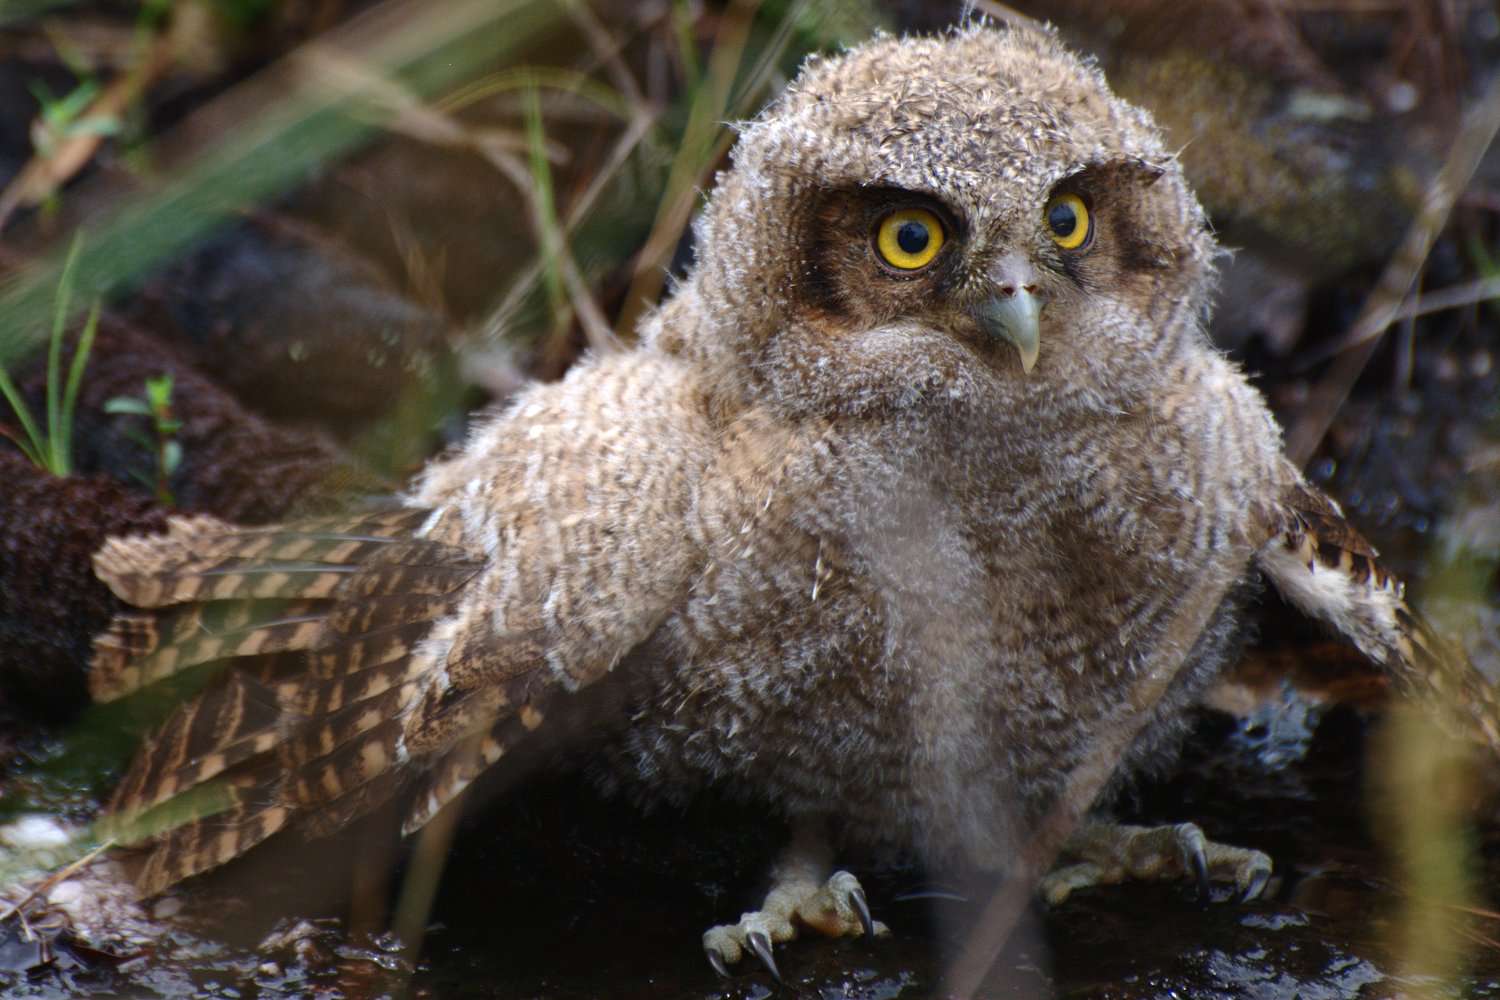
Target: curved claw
1194, 848
1200, 871
1258, 879
862, 910
717, 961
760, 943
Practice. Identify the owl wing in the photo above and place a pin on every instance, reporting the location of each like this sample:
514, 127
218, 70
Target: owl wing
396, 654
1325, 568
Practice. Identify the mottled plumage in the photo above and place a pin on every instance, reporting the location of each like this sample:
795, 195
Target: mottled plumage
821, 538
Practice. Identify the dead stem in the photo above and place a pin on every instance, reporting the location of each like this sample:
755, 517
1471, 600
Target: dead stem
1384, 302
57, 877
704, 141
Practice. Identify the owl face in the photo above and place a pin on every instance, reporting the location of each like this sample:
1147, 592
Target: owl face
948, 221
991, 274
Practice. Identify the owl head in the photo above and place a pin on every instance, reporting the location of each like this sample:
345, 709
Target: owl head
965, 221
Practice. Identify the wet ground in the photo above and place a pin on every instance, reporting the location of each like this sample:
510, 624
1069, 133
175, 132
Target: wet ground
553, 892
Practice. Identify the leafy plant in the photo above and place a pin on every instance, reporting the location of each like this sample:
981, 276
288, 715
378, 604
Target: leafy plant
66, 116
53, 450
156, 406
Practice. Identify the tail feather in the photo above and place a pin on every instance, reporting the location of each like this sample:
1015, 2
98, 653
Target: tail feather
139, 649
237, 564
228, 724
209, 824
339, 579
205, 843
322, 620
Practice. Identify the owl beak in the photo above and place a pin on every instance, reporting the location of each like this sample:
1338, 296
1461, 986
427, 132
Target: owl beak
1012, 315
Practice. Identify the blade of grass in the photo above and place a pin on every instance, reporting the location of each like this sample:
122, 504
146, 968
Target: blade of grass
607, 50
60, 312
687, 48
543, 211
70, 392
1040, 847
32, 446
565, 286
570, 81
704, 142
495, 325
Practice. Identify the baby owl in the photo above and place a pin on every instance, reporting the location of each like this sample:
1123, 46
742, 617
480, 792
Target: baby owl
923, 482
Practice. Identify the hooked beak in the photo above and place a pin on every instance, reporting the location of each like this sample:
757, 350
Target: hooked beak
1012, 312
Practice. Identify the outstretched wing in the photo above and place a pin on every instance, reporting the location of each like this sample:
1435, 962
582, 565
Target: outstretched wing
400, 653
1327, 569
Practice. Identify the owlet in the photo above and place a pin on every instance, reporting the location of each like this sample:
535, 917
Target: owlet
923, 486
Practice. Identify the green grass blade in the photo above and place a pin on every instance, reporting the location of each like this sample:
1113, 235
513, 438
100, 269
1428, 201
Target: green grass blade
546, 215
33, 449
64, 448
57, 462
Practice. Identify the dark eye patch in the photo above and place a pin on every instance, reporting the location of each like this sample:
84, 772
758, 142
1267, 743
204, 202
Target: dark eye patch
836, 237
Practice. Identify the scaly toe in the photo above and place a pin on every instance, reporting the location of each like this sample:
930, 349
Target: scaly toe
839, 909
1253, 876
1108, 853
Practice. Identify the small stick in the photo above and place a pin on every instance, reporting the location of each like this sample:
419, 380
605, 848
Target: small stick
46, 884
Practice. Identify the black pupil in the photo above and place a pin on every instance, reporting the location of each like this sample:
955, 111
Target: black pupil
1062, 219
912, 237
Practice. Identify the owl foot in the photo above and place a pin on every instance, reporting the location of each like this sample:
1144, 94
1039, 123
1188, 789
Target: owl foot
1109, 853
836, 908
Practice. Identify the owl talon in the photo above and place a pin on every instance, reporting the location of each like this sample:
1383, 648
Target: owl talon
1259, 876
862, 908
1108, 854
835, 907
1195, 856
760, 943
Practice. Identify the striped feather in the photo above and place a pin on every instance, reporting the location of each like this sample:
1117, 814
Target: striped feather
1323, 566
229, 723
321, 620
201, 844
456, 770
138, 649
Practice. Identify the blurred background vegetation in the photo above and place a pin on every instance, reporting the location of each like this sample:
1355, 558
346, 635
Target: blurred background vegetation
263, 257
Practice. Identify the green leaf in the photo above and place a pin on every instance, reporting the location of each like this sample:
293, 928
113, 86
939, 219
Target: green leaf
171, 457
159, 391
103, 125
31, 453
127, 404
67, 109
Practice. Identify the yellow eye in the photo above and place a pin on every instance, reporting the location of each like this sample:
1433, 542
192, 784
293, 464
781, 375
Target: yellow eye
910, 238
1068, 221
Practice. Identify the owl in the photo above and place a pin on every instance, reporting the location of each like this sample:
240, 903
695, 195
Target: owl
922, 494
